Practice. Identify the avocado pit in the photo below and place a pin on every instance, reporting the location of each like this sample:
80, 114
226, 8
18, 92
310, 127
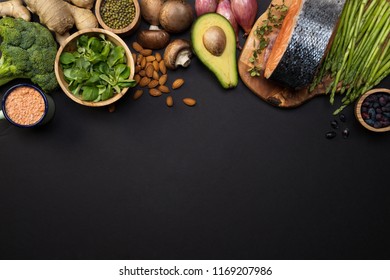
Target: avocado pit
214, 40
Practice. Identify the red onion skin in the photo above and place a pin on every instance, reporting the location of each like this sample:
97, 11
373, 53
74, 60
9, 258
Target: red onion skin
205, 6
224, 9
245, 12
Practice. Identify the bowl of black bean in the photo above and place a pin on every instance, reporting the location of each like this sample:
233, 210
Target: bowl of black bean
121, 17
373, 110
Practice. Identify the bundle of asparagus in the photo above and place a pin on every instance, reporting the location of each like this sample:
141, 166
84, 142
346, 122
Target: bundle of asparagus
359, 57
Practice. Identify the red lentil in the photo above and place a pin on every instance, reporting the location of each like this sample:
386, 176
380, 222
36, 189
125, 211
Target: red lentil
25, 106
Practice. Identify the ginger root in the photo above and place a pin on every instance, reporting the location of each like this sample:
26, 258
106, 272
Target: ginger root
84, 18
14, 8
60, 16
54, 14
87, 4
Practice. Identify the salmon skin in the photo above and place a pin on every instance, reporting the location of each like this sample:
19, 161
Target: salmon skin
303, 40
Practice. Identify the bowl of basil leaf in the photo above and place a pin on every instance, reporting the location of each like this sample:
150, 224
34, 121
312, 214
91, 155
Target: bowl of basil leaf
94, 67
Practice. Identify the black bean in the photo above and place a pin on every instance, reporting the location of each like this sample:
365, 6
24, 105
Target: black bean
334, 124
345, 133
342, 117
330, 135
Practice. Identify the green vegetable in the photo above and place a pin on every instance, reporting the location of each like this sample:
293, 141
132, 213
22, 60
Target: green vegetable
28, 51
359, 56
97, 70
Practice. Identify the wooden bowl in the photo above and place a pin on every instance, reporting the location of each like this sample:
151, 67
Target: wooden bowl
358, 110
124, 31
70, 45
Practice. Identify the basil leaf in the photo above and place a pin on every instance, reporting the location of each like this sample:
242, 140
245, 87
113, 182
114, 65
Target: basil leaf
82, 63
102, 68
93, 79
95, 45
107, 79
130, 83
82, 41
67, 58
106, 93
89, 93
75, 88
125, 74
116, 54
118, 69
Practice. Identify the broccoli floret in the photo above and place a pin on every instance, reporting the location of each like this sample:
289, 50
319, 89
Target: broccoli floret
28, 51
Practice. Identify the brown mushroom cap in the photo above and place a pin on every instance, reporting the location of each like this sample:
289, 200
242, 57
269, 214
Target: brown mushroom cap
153, 39
177, 53
150, 10
176, 16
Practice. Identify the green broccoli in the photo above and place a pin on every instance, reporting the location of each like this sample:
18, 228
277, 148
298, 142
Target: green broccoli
28, 51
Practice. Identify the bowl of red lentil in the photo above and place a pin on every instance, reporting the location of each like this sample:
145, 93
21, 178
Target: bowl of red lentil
25, 105
121, 17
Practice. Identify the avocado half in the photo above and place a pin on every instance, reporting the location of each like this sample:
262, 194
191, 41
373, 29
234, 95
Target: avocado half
224, 63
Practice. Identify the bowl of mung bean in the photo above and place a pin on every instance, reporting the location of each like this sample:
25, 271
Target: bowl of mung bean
121, 17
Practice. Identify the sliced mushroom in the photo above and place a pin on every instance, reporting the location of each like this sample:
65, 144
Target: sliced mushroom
153, 39
178, 53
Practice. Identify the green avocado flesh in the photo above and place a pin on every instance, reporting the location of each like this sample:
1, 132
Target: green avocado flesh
222, 63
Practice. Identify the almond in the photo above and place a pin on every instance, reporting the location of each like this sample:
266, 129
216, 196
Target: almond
177, 83
146, 52
163, 89
169, 101
144, 82
143, 62
155, 65
137, 69
163, 79
189, 101
139, 59
142, 73
134, 57
137, 47
111, 108
155, 92
150, 58
137, 78
137, 94
149, 70
158, 57
163, 68
153, 83
156, 76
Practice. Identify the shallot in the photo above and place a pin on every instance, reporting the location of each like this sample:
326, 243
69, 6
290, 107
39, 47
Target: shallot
245, 12
205, 6
224, 9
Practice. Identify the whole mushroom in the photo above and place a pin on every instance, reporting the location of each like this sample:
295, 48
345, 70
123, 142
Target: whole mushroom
176, 16
153, 39
177, 53
150, 10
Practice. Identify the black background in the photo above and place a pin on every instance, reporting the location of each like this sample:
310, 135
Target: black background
231, 178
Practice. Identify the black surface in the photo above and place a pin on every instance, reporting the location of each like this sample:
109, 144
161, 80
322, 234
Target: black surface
231, 178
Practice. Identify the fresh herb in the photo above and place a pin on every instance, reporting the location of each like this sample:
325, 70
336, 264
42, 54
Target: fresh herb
276, 14
97, 70
359, 56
